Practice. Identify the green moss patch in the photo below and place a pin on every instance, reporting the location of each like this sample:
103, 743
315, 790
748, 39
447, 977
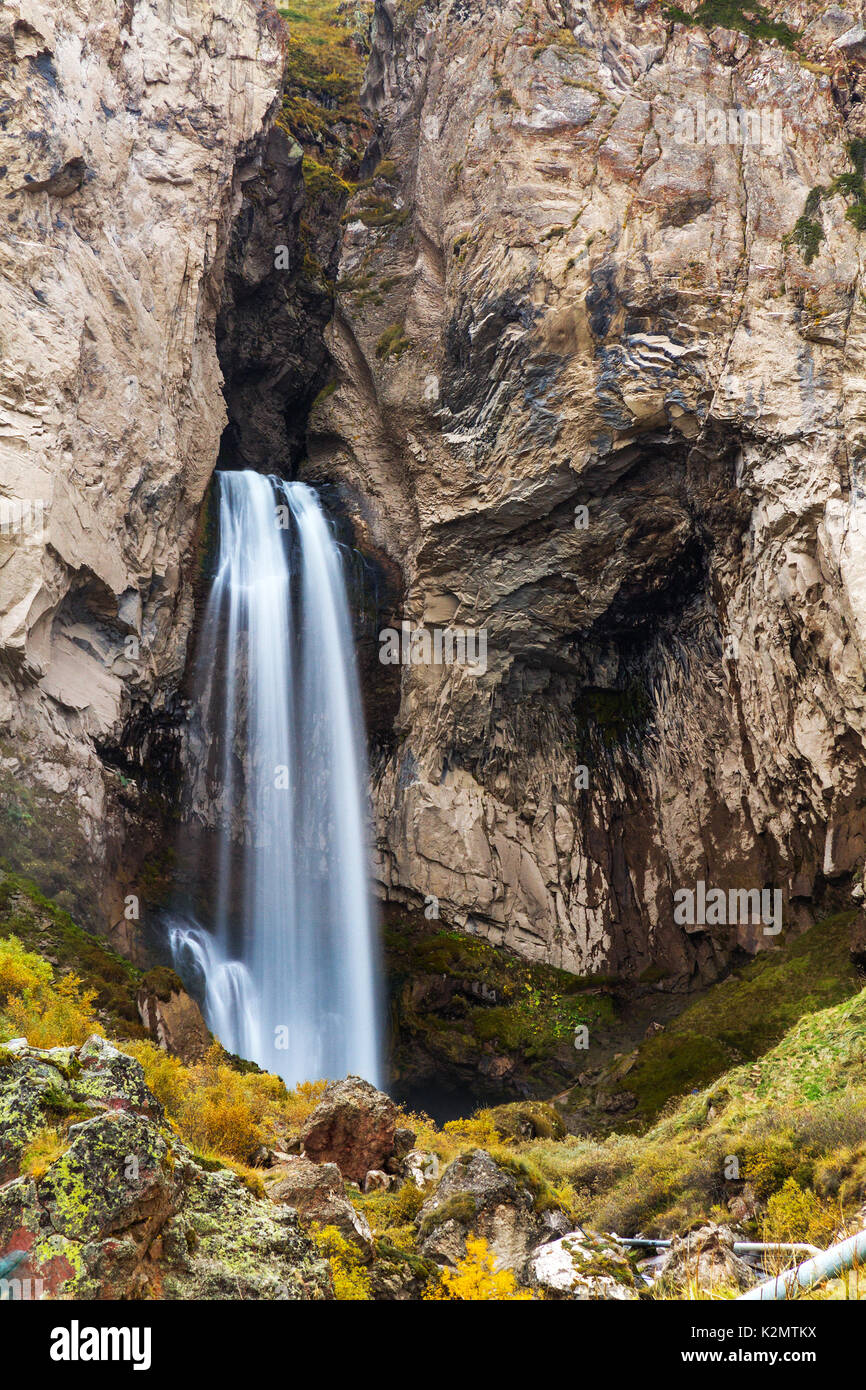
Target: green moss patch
456, 997
750, 19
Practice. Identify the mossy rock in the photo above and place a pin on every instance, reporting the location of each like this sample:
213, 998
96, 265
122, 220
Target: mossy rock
532, 1119
162, 982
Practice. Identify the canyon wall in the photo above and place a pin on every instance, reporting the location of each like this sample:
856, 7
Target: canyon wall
598, 356
600, 394
128, 130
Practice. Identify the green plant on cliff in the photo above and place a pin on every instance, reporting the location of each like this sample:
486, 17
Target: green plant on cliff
43, 842
808, 233
326, 55
392, 343
752, 19
46, 928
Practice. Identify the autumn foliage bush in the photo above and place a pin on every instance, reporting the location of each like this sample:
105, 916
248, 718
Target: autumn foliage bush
48, 1010
476, 1279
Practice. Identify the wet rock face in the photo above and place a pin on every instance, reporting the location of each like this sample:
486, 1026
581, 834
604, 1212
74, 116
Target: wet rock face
128, 131
600, 405
124, 1210
270, 329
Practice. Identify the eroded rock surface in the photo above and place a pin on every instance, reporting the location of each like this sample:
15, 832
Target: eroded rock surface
593, 394
578, 304
128, 131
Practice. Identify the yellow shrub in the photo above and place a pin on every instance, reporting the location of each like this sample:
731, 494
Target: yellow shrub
215, 1109
477, 1133
476, 1279
165, 1075
302, 1101
795, 1214
48, 1011
21, 972
351, 1280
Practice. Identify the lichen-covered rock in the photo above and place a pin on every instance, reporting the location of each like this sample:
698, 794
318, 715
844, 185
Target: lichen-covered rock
705, 1258
477, 1195
581, 1267
124, 1210
353, 1126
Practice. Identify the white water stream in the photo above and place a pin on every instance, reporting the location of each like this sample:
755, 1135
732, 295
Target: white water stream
290, 967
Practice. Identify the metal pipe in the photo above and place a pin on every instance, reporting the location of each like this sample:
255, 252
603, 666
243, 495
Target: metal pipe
759, 1247
641, 1242
824, 1266
741, 1247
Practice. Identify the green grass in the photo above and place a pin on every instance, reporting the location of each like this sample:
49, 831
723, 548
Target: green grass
325, 62
793, 1120
740, 1018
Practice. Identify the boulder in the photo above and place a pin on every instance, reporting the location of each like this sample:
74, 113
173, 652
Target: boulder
317, 1193
479, 1196
420, 1167
705, 1258
123, 1210
377, 1181
353, 1126
172, 1017
582, 1267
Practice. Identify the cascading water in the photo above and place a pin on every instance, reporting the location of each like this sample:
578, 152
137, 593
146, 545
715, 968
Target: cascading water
289, 972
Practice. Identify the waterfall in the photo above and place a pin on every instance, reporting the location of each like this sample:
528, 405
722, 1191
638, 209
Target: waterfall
289, 971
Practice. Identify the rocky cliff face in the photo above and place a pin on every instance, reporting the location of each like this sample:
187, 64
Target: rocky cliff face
599, 392
128, 130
